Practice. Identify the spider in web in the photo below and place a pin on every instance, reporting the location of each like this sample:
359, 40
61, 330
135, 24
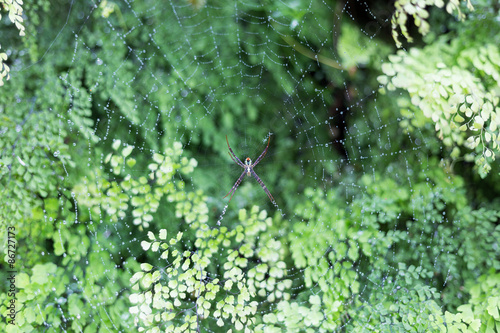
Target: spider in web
248, 166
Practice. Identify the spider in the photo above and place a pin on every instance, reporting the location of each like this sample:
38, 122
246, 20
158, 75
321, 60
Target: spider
248, 166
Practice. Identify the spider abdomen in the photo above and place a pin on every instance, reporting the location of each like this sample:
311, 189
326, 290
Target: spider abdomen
248, 163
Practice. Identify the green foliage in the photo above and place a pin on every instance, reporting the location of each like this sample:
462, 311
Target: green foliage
184, 294
482, 313
403, 303
327, 248
47, 290
144, 193
339, 252
79, 287
4, 69
357, 50
418, 10
438, 206
410, 306
15, 10
454, 84
115, 216
36, 142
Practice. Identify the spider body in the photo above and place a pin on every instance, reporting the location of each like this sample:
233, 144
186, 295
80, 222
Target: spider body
248, 163
248, 170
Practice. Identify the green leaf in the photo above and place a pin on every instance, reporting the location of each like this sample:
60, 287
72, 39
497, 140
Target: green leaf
131, 162
459, 118
146, 267
493, 306
163, 234
127, 151
116, 144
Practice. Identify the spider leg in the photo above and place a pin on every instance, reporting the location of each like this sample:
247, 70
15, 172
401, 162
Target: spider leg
235, 186
261, 183
241, 165
235, 157
263, 153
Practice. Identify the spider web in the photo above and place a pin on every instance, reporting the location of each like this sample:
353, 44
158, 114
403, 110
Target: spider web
191, 73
